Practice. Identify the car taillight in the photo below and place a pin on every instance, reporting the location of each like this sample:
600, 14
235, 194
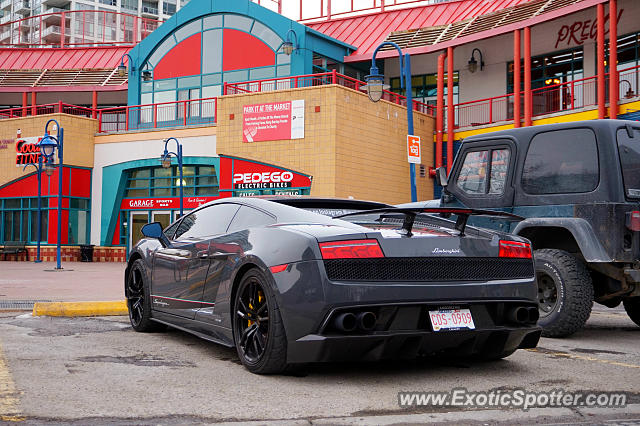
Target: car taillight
351, 249
515, 249
633, 221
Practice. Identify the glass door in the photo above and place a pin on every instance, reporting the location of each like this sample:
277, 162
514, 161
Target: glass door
163, 217
137, 221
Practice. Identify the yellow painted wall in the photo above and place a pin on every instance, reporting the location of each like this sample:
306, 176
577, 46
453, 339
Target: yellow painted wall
352, 146
78, 141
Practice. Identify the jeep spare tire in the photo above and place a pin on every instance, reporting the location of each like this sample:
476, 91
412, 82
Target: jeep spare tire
565, 292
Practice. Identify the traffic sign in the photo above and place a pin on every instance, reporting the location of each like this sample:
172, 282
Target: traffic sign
413, 149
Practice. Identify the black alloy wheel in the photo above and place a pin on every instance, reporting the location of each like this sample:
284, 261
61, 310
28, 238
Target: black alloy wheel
258, 331
139, 300
547, 294
253, 320
135, 296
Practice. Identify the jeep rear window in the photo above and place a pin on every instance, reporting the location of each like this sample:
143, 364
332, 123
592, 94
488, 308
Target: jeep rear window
561, 162
629, 150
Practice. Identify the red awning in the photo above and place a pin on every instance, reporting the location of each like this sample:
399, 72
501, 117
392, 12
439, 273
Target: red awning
368, 31
66, 58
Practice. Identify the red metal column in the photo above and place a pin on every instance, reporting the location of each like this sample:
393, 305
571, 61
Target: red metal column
602, 108
528, 98
94, 104
25, 102
516, 79
614, 91
440, 109
34, 109
450, 109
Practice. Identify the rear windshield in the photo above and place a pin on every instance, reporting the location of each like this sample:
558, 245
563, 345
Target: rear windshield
629, 149
423, 223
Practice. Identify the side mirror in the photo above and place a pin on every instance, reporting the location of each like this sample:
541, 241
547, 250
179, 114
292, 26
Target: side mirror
154, 230
441, 177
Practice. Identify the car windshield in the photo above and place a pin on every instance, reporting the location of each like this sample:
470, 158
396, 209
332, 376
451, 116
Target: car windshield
629, 150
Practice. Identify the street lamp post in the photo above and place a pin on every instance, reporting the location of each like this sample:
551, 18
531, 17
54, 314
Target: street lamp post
166, 163
375, 89
39, 171
48, 146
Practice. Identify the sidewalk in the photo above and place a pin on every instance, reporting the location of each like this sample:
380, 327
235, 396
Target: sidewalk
78, 281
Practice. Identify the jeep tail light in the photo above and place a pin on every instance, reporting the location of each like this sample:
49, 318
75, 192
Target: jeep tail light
351, 249
633, 221
515, 249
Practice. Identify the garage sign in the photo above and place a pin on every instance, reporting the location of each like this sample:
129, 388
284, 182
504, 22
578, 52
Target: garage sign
273, 121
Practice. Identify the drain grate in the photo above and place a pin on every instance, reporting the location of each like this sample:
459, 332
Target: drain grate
21, 305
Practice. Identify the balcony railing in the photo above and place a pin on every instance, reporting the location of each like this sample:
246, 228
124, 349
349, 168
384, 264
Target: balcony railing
572, 95
154, 116
283, 83
59, 107
90, 28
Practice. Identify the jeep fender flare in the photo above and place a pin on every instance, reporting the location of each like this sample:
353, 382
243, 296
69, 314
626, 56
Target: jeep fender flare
582, 232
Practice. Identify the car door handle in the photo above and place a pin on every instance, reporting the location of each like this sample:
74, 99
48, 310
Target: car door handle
204, 254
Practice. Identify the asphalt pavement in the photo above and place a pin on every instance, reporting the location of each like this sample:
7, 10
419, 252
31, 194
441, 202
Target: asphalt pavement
97, 370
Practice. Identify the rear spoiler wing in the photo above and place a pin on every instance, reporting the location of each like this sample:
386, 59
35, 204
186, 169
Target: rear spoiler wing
446, 212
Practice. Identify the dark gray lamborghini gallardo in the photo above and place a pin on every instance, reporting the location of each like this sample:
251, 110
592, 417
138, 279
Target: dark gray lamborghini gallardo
289, 281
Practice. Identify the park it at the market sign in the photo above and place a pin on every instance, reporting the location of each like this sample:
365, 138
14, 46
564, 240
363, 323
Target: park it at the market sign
273, 121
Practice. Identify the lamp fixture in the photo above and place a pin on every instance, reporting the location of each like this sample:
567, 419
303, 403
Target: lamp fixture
550, 81
122, 68
375, 84
630, 92
146, 75
49, 167
289, 46
473, 63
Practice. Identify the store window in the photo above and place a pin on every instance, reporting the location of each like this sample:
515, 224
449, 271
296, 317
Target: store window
78, 221
425, 87
550, 69
156, 182
573, 167
20, 219
628, 59
549, 72
208, 50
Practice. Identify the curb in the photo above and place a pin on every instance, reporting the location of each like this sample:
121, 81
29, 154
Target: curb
80, 309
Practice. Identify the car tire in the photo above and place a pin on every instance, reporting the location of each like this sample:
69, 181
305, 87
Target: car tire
139, 300
261, 344
565, 292
632, 306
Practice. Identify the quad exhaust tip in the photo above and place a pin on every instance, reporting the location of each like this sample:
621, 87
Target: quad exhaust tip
523, 315
348, 321
366, 321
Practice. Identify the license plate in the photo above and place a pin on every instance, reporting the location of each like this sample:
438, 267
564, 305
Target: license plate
451, 319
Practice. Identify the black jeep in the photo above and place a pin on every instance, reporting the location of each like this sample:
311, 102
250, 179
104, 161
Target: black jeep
578, 186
